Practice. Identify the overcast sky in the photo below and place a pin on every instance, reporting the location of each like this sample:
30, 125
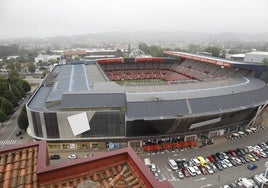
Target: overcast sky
43, 18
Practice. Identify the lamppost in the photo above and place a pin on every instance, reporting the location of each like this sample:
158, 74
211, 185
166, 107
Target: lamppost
265, 173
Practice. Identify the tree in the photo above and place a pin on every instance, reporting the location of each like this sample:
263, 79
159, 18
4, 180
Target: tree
13, 74
265, 61
6, 107
31, 67
3, 117
23, 121
25, 85
52, 61
215, 51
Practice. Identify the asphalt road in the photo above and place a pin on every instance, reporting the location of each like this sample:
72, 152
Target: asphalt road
8, 129
217, 179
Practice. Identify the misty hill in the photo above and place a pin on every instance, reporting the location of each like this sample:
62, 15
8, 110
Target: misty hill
135, 38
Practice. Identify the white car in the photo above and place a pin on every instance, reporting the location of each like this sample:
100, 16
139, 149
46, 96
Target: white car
264, 155
179, 174
156, 175
238, 161
227, 162
153, 167
73, 156
223, 164
210, 171
197, 170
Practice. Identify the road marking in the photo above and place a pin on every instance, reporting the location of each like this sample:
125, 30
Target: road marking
208, 185
200, 179
8, 142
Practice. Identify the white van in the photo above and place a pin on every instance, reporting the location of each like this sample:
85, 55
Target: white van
264, 179
191, 170
257, 180
147, 162
173, 164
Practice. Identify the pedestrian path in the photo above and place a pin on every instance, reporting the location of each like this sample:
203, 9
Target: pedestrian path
8, 142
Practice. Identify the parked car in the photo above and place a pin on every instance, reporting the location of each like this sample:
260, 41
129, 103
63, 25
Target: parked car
232, 161
213, 167
242, 159
179, 174
88, 155
203, 170
185, 172
252, 166
211, 159
156, 175
56, 157
233, 153
179, 164
220, 156
173, 164
237, 160
153, 167
72, 156
191, 170
255, 156
263, 154
227, 162
197, 170
209, 170
246, 159
250, 157
218, 165
223, 164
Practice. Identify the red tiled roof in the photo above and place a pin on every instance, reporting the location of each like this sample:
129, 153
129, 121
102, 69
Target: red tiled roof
74, 52
18, 165
28, 166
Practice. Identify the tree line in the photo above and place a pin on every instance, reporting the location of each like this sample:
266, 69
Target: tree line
12, 90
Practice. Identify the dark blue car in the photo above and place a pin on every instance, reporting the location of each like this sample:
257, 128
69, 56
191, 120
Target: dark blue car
252, 166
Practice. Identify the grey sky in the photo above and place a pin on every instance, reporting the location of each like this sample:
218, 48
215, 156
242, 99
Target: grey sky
42, 18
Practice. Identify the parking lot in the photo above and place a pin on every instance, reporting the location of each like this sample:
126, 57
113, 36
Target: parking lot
217, 179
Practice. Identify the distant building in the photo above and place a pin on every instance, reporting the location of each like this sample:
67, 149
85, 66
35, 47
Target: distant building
28, 165
100, 53
12, 57
73, 54
236, 57
256, 57
45, 58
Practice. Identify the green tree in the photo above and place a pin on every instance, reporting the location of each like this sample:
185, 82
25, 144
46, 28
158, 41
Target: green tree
25, 85
13, 74
53, 61
6, 107
265, 61
17, 66
4, 86
215, 51
31, 67
3, 117
23, 120
10, 65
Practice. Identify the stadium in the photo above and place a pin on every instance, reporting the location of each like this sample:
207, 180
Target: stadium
131, 99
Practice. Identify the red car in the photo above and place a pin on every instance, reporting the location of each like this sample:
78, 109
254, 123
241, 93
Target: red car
211, 159
203, 170
257, 153
232, 152
185, 172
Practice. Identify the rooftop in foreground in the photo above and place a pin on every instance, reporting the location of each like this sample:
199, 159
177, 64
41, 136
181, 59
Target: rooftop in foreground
28, 166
